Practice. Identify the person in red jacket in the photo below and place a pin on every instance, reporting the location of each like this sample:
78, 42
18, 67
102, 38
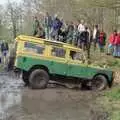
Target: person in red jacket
102, 40
112, 39
116, 52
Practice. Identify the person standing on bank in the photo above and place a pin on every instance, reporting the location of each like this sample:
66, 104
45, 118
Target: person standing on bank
56, 26
112, 39
75, 35
102, 40
70, 33
47, 25
116, 52
4, 51
96, 35
36, 26
81, 28
85, 41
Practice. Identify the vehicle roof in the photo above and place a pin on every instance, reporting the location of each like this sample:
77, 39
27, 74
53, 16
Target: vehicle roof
40, 40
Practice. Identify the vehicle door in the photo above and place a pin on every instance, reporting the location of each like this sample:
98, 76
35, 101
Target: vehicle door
76, 64
58, 60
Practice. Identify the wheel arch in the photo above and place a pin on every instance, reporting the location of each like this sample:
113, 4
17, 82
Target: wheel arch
39, 67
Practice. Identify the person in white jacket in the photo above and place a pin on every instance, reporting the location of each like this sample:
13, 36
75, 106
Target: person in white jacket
81, 26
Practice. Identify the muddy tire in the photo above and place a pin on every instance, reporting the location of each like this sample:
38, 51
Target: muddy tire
39, 79
99, 83
25, 78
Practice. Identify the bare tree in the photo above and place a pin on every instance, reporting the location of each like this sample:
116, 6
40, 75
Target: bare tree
19, 17
14, 14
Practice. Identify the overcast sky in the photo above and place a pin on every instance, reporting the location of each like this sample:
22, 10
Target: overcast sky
4, 1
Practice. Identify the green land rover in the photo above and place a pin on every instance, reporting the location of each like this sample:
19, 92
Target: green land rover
41, 60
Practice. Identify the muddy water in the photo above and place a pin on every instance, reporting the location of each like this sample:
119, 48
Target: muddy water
10, 94
20, 103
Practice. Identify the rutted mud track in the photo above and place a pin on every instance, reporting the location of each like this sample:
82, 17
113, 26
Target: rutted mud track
21, 103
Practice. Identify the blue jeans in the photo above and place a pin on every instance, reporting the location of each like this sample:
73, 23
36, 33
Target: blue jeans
116, 52
110, 49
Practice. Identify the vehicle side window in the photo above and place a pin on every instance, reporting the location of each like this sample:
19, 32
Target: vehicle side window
58, 52
76, 55
39, 49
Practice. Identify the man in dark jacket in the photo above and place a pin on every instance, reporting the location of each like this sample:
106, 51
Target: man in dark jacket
84, 39
56, 26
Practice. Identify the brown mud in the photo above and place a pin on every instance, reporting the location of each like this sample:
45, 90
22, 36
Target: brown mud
54, 103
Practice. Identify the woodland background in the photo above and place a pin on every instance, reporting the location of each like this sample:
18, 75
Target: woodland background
17, 18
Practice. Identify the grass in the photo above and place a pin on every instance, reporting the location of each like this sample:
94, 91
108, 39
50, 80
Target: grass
102, 60
111, 102
114, 95
111, 98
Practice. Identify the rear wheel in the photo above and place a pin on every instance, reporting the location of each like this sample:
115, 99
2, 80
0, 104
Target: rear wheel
39, 79
99, 83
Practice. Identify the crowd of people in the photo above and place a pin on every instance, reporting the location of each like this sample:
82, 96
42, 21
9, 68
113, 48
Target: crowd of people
76, 33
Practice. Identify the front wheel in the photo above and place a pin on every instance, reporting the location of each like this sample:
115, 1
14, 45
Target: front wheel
99, 83
39, 79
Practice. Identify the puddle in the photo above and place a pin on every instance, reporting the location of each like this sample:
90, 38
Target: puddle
10, 94
8, 100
